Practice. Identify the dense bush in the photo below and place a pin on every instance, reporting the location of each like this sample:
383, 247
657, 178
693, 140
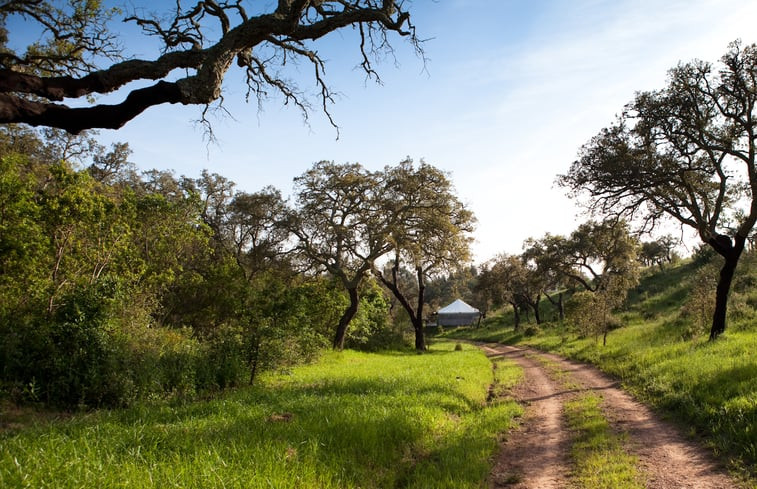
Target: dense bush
371, 329
117, 287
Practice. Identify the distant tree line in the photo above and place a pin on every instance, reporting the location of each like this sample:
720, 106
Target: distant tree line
597, 264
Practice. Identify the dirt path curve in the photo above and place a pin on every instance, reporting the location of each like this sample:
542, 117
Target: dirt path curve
536, 454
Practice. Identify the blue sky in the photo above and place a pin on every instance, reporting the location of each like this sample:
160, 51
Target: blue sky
510, 91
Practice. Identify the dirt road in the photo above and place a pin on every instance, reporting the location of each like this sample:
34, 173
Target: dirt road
536, 455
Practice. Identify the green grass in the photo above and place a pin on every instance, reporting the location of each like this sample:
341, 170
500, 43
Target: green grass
709, 387
599, 459
351, 420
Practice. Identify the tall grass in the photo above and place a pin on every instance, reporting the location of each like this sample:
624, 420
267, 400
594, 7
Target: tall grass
351, 420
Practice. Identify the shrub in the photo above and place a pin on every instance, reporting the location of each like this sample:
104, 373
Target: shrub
370, 329
224, 363
531, 331
699, 307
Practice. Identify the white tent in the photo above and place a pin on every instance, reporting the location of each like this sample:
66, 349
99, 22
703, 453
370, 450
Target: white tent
457, 314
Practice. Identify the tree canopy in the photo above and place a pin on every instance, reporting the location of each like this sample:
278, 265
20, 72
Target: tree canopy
80, 54
429, 232
340, 226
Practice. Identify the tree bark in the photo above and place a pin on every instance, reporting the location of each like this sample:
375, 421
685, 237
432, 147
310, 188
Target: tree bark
731, 252
420, 339
516, 316
535, 306
75, 120
416, 316
349, 313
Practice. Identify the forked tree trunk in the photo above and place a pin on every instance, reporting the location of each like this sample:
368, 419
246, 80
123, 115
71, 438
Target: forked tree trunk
416, 316
349, 313
731, 253
558, 304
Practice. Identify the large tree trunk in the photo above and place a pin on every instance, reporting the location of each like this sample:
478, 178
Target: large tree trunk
420, 340
535, 306
349, 313
516, 316
731, 253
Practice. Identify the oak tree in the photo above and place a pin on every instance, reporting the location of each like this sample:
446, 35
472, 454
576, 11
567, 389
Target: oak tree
550, 259
429, 234
504, 278
687, 153
340, 227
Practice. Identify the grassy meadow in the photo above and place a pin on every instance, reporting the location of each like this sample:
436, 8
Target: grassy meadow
662, 354
351, 420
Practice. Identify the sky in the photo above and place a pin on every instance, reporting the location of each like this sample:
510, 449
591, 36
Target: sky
508, 93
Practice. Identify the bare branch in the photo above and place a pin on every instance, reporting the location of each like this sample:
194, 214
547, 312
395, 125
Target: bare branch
28, 95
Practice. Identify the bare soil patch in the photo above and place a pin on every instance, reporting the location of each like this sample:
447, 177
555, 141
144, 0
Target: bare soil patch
536, 455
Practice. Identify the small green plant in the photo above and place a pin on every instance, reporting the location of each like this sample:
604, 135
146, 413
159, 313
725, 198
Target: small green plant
699, 307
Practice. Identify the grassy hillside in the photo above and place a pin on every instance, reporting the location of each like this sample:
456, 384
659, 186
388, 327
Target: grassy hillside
662, 354
351, 420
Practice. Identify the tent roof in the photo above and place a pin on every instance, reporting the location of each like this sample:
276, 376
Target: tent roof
458, 307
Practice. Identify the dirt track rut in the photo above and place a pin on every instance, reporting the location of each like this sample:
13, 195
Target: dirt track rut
536, 455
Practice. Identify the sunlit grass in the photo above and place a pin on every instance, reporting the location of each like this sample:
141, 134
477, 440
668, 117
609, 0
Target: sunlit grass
352, 420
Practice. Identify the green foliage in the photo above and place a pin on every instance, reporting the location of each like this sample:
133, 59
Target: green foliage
592, 312
531, 331
699, 306
22, 241
371, 329
116, 287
